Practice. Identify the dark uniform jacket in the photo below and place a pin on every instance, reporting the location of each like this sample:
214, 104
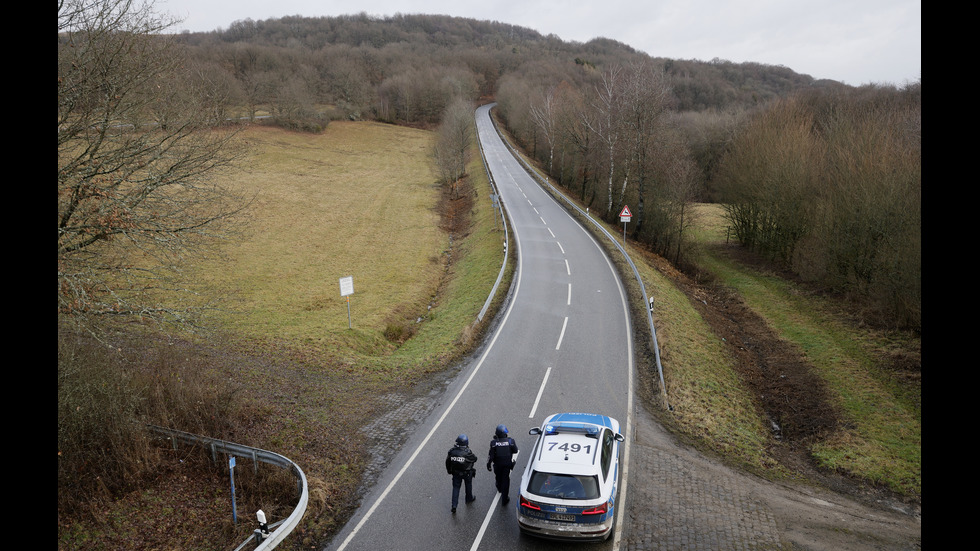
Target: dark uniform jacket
460, 460
502, 452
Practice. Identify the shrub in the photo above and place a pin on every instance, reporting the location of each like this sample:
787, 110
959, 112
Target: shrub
106, 397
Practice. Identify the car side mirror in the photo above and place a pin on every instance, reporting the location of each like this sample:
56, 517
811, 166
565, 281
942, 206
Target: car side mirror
535, 431
620, 437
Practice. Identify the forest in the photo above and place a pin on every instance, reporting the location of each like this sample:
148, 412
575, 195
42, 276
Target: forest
817, 176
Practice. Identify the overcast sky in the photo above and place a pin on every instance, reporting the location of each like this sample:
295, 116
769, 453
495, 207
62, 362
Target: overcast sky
852, 41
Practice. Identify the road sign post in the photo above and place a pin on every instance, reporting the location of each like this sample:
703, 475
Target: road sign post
346, 290
624, 217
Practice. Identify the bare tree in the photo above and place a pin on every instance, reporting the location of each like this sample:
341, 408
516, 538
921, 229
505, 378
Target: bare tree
606, 124
544, 114
645, 100
216, 89
575, 123
453, 143
249, 64
133, 198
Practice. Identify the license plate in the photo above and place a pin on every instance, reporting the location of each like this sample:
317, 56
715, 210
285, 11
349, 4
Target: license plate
568, 518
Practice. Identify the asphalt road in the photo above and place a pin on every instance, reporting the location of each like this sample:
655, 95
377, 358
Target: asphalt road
563, 343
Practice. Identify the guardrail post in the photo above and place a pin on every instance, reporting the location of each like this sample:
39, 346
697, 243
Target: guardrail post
231, 471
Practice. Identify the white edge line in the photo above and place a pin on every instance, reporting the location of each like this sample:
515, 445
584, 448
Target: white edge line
621, 499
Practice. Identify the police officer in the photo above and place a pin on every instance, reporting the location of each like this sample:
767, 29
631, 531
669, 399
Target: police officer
459, 463
501, 461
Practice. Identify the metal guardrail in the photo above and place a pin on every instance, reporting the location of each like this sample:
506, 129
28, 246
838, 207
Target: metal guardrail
503, 222
649, 309
283, 527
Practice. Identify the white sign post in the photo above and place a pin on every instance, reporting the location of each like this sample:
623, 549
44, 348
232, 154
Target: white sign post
346, 290
624, 217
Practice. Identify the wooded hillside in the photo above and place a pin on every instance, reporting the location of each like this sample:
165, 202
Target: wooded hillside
614, 126
364, 65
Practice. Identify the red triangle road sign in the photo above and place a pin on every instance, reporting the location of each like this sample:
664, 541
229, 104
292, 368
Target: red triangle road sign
626, 211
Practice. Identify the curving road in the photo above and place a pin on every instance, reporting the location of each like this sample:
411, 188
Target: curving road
563, 343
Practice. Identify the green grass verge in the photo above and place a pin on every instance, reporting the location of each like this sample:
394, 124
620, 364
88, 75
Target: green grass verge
882, 435
708, 400
709, 406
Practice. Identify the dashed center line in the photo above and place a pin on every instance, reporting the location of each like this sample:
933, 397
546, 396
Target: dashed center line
562, 334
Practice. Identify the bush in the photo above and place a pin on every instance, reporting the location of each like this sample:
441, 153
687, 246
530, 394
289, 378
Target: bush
398, 333
303, 120
102, 447
106, 397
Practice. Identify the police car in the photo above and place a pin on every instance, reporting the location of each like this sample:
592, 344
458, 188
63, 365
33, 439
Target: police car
568, 490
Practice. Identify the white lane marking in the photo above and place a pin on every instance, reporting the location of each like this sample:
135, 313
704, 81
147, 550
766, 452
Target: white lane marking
562, 335
568, 269
486, 522
569, 302
559, 245
540, 392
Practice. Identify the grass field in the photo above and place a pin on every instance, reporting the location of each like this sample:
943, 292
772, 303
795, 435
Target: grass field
360, 201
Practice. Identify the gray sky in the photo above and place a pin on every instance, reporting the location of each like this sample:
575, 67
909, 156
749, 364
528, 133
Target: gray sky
852, 41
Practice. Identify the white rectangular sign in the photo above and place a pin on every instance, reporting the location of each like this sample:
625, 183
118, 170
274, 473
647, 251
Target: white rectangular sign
346, 286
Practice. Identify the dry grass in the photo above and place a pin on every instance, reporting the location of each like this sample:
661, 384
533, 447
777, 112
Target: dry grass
358, 200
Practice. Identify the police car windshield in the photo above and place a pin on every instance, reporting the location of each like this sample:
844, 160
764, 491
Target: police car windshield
563, 486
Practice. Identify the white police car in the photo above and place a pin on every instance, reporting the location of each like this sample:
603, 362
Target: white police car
568, 490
